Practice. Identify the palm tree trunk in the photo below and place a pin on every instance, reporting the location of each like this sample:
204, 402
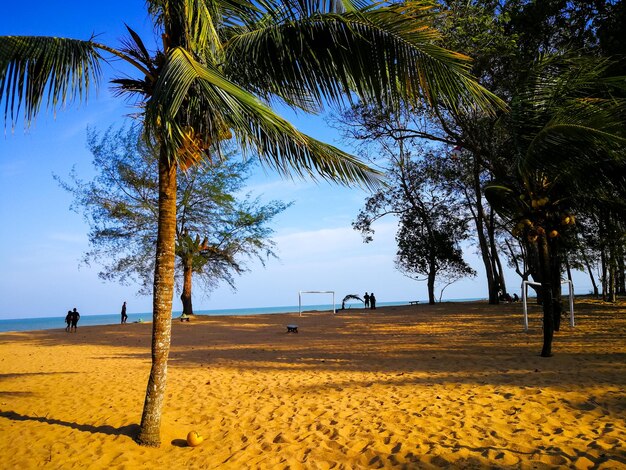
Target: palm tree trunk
150, 432
185, 297
546, 290
555, 279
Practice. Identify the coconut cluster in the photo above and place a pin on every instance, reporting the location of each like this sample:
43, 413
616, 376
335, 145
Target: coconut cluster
541, 218
195, 145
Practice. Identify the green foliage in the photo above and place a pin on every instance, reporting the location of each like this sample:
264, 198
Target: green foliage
431, 219
210, 80
217, 230
221, 62
33, 68
567, 127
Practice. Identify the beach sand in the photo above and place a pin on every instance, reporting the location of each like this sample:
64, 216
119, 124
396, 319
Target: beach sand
455, 385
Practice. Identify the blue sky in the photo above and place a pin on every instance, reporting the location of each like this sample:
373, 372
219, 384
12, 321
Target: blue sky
42, 241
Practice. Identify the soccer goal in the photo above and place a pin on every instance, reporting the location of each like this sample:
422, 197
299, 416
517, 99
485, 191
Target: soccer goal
314, 292
525, 285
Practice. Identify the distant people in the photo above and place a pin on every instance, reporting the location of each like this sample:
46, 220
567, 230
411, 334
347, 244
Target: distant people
372, 301
74, 317
366, 300
515, 298
68, 320
124, 316
505, 297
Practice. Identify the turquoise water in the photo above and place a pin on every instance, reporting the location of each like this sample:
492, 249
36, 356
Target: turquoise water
48, 323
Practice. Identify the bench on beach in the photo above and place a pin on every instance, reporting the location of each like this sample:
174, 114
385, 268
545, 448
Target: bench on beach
292, 328
414, 302
184, 317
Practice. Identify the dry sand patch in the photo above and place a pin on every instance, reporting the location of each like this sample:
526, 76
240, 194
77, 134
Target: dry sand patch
447, 386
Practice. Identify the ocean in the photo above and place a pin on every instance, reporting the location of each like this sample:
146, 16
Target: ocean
49, 323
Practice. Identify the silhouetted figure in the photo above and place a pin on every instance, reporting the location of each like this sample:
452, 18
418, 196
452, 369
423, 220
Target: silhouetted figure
515, 298
124, 316
74, 317
366, 300
372, 301
68, 320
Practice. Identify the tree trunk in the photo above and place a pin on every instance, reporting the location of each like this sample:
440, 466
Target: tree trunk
621, 272
496, 265
568, 269
604, 273
612, 275
185, 297
431, 286
534, 266
492, 283
555, 279
546, 290
596, 292
150, 432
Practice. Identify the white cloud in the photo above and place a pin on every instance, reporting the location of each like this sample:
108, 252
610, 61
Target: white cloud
324, 245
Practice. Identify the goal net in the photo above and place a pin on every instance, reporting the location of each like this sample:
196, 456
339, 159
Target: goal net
525, 285
314, 292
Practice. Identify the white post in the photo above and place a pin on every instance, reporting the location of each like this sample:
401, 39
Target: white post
524, 297
570, 286
525, 300
571, 306
314, 292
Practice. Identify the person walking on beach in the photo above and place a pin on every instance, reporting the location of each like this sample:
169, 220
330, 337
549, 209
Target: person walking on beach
124, 316
366, 300
75, 316
68, 320
372, 301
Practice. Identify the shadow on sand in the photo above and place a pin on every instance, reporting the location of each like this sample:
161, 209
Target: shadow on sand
130, 430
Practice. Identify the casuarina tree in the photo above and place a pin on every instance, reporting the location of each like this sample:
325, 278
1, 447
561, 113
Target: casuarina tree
218, 229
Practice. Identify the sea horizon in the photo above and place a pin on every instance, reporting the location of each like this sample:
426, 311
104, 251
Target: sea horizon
58, 322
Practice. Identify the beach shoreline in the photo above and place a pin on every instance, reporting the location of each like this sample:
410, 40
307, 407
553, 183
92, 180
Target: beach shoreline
455, 385
50, 323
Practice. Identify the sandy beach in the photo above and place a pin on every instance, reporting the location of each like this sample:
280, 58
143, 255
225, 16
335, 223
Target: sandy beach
456, 385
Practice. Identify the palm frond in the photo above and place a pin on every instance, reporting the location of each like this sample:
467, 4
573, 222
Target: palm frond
571, 116
352, 297
35, 68
135, 48
383, 54
207, 101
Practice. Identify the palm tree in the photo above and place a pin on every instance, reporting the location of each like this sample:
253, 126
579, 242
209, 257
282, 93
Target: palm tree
567, 128
219, 65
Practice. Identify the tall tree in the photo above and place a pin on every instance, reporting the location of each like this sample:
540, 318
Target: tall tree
567, 131
505, 38
219, 64
432, 222
216, 230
